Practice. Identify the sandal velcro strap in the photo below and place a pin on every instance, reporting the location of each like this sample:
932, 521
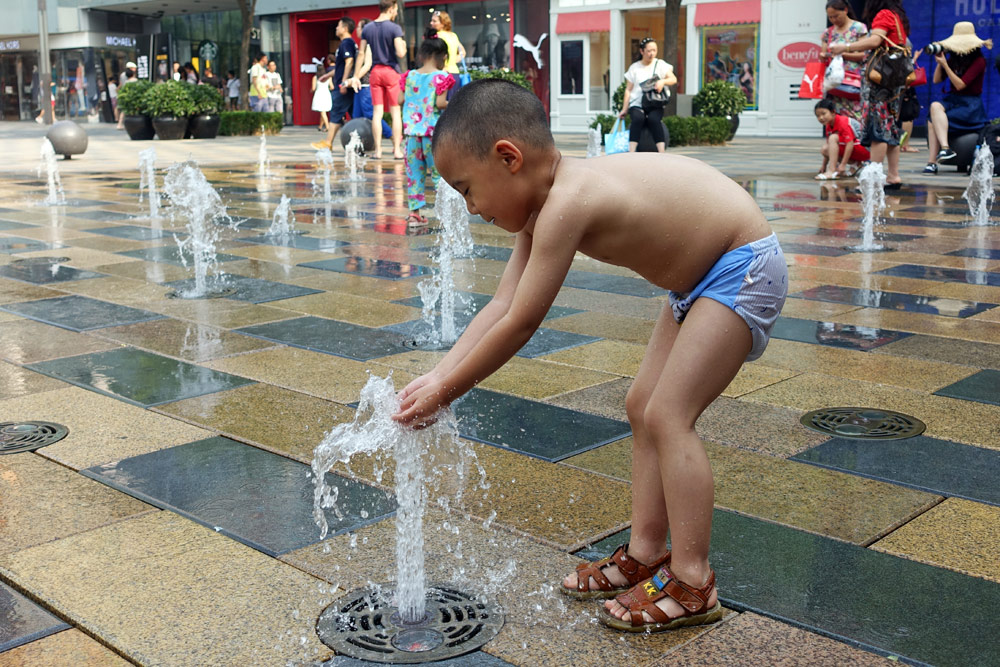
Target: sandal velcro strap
664, 584
633, 570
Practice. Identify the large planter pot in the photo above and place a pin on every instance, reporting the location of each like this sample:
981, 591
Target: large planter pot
170, 127
205, 126
139, 127
734, 124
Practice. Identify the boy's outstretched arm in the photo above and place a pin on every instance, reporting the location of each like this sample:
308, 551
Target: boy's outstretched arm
484, 349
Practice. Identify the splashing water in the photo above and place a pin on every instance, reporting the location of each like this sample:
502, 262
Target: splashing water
325, 160
354, 159
147, 181
980, 193
438, 292
594, 142
193, 197
374, 431
872, 181
56, 196
263, 162
283, 220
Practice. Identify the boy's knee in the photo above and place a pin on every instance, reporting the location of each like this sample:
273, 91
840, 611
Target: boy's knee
825, 150
635, 404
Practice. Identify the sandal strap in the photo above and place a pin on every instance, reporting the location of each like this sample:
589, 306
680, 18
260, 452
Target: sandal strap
643, 597
633, 570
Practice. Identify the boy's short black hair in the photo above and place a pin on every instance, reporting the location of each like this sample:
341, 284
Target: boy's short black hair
488, 110
349, 23
825, 104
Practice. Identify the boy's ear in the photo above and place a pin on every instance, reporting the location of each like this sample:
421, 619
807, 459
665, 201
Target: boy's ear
508, 153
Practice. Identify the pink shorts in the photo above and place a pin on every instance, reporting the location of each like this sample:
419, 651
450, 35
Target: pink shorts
384, 85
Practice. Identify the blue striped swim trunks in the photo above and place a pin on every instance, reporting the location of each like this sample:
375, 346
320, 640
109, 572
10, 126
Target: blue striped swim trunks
751, 280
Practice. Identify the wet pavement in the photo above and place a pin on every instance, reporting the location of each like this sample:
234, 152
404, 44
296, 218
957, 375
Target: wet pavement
173, 524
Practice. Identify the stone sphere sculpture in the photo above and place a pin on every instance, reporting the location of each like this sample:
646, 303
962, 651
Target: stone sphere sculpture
363, 127
67, 138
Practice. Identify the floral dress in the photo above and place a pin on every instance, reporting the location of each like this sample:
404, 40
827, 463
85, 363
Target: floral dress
420, 114
847, 98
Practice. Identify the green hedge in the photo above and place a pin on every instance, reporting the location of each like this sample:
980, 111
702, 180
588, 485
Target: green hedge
683, 131
247, 123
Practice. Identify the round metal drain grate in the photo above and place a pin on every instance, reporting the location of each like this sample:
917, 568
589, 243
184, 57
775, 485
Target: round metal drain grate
363, 625
34, 261
18, 437
863, 423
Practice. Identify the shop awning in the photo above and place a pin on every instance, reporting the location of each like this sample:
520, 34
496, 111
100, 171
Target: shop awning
726, 13
584, 22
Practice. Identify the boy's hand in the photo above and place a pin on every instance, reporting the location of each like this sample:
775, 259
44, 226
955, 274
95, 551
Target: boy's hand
419, 407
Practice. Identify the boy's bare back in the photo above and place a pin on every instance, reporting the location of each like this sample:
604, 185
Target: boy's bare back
666, 217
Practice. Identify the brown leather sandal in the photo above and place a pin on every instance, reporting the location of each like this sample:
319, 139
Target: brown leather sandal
643, 598
633, 571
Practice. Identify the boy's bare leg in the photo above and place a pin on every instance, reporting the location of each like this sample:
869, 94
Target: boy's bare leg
705, 356
649, 514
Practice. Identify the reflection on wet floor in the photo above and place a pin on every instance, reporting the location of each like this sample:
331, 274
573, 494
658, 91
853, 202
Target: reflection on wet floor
309, 313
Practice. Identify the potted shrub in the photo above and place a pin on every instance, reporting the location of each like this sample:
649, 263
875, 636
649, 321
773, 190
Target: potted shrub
207, 106
130, 102
169, 104
721, 99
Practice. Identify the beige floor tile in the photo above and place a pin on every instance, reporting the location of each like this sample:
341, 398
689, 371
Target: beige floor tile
12, 291
753, 376
539, 379
958, 534
608, 356
18, 381
947, 350
813, 310
101, 429
35, 514
351, 308
181, 593
604, 325
922, 323
27, 341
69, 647
190, 341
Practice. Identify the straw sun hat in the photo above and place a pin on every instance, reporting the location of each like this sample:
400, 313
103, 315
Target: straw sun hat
963, 39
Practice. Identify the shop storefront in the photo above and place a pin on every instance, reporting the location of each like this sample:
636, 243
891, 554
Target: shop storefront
495, 33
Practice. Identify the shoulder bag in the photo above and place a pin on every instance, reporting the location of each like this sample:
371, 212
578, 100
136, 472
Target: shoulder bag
650, 98
890, 66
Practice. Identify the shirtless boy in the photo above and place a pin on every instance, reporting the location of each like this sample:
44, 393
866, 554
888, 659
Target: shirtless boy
681, 225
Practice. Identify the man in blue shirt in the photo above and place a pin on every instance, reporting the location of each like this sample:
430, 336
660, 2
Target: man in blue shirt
343, 93
388, 48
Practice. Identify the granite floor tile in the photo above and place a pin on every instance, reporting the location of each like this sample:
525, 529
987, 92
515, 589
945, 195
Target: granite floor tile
122, 291
326, 376
754, 376
83, 258
607, 303
603, 325
45, 273
12, 245
281, 420
538, 379
943, 274
894, 301
346, 283
69, 647
750, 639
251, 290
181, 593
872, 600
255, 268
984, 387
516, 572
256, 497
27, 341
371, 267
860, 277
331, 337
946, 418
947, 350
171, 254
79, 313
33, 514
844, 363
18, 381
605, 400
11, 291
148, 271
101, 429
368, 312
920, 323
138, 376
608, 356
131, 232
24, 621
756, 427
221, 313
957, 534
190, 341
833, 334
804, 309
600, 282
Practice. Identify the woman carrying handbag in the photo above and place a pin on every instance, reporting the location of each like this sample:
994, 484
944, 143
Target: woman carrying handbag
646, 93
844, 29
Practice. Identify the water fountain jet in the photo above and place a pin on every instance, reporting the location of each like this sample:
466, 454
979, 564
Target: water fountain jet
147, 181
56, 196
872, 181
979, 193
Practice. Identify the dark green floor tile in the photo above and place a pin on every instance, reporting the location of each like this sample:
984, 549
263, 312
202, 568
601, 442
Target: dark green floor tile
894, 301
374, 268
258, 498
79, 313
476, 302
543, 341
537, 429
10, 225
15, 244
103, 216
492, 252
331, 337
171, 254
812, 249
870, 599
131, 232
295, 241
979, 253
22, 621
602, 282
139, 377
921, 222
254, 290
983, 387
43, 274
928, 464
943, 274
833, 334
852, 234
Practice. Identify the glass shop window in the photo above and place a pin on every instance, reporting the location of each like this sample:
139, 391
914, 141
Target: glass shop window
571, 59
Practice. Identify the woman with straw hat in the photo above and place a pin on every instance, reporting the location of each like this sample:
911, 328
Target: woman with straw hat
962, 108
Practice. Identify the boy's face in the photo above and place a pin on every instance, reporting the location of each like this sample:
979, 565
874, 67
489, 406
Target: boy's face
487, 185
824, 116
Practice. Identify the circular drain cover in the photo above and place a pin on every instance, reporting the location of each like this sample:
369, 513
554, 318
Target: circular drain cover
28, 436
32, 261
863, 423
364, 625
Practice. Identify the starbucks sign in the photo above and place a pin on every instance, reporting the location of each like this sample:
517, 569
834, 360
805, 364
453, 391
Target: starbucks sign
208, 50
